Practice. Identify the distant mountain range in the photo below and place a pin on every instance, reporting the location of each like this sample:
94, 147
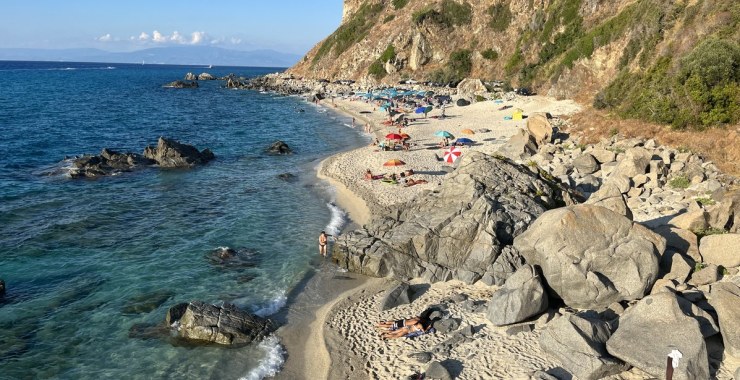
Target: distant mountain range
179, 55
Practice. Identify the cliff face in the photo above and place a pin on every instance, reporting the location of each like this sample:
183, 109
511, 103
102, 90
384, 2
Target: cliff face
567, 48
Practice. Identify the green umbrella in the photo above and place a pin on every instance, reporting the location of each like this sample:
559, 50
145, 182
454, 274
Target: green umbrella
444, 134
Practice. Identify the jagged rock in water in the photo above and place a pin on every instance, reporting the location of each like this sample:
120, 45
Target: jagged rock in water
650, 329
456, 230
2, 288
579, 345
172, 154
287, 177
591, 256
521, 297
146, 302
226, 325
279, 147
108, 162
182, 84
206, 76
190, 77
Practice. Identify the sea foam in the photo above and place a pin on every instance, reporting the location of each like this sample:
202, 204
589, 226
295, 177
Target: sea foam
273, 305
337, 221
273, 361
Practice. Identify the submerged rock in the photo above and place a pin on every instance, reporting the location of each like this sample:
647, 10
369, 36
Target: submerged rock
229, 257
225, 325
182, 84
2, 288
146, 302
279, 147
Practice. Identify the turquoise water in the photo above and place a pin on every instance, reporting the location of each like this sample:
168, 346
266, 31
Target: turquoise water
85, 260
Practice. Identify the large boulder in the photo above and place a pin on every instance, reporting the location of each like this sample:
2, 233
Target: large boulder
586, 164
172, 154
579, 345
470, 86
635, 161
182, 84
521, 297
591, 256
108, 162
654, 326
457, 231
191, 77
539, 128
681, 240
206, 76
723, 249
609, 196
396, 296
519, 146
725, 298
226, 325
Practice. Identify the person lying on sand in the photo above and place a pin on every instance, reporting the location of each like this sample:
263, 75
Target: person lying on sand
412, 182
368, 175
395, 325
421, 327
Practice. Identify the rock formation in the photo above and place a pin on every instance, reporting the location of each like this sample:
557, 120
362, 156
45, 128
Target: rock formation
521, 297
225, 325
172, 154
279, 147
182, 84
591, 256
457, 231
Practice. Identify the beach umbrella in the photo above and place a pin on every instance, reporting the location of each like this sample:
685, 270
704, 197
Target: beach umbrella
428, 109
405, 136
394, 136
420, 110
394, 162
464, 140
467, 132
452, 154
444, 134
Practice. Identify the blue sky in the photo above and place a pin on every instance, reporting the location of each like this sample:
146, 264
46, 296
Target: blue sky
291, 26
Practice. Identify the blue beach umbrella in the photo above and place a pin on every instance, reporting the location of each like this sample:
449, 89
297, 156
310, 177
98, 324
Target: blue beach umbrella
420, 110
444, 134
464, 140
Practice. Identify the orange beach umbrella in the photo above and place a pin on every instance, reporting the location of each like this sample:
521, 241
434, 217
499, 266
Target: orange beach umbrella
467, 131
394, 163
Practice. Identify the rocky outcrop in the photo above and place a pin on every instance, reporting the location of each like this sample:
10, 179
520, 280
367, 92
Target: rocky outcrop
279, 147
2, 288
191, 77
172, 154
521, 297
225, 325
108, 162
648, 332
591, 256
725, 298
182, 84
579, 345
206, 76
457, 231
721, 249
234, 258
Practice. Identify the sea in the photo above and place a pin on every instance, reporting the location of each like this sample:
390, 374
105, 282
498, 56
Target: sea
91, 266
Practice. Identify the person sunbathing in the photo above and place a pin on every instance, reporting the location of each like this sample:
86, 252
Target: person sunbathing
421, 327
412, 182
395, 325
368, 175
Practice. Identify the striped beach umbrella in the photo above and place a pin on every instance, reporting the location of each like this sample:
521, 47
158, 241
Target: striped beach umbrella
452, 154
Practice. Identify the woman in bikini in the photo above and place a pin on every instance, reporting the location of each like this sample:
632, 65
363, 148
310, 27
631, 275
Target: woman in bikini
411, 328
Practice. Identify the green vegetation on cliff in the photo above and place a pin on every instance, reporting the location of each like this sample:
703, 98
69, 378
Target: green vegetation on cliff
350, 32
449, 14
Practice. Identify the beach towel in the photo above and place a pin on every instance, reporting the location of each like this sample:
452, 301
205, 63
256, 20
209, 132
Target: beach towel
415, 334
507, 118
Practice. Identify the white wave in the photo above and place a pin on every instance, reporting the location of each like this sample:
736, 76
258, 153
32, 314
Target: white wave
273, 305
337, 221
273, 361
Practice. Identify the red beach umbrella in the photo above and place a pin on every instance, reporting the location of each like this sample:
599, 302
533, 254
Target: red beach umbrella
394, 162
394, 136
452, 154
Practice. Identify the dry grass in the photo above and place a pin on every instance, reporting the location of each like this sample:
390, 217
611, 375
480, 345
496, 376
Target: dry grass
722, 146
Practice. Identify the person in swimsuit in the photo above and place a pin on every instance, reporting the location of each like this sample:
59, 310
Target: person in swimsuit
323, 238
409, 330
395, 325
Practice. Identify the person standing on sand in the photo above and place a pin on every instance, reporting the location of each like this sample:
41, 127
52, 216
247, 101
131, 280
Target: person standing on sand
323, 238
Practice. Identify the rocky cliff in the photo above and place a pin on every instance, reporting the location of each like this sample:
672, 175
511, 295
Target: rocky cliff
595, 50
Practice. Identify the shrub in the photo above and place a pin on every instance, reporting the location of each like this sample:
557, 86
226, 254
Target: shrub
500, 16
705, 201
350, 32
679, 182
480, 98
450, 14
460, 63
489, 54
388, 54
377, 70
514, 62
613, 132
702, 232
398, 4
388, 19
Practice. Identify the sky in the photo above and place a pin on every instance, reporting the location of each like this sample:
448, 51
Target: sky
290, 26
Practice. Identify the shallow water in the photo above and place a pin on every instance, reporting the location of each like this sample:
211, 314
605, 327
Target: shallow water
85, 260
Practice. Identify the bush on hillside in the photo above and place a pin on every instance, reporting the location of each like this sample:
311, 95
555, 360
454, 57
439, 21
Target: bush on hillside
398, 4
489, 54
388, 54
450, 14
350, 32
377, 70
500, 16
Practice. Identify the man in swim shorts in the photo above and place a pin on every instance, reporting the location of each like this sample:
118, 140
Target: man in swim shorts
322, 243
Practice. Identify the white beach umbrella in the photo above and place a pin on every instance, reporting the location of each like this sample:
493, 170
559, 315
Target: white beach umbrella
452, 154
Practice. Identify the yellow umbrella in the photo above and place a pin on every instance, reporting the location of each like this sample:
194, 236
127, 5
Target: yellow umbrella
467, 131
